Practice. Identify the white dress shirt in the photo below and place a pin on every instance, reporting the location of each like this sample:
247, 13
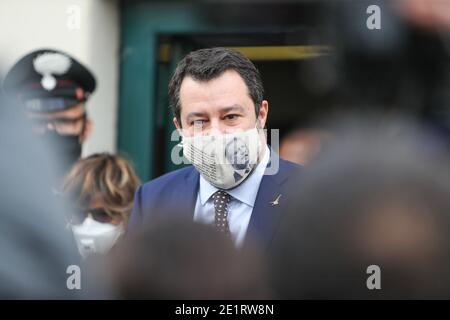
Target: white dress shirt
241, 202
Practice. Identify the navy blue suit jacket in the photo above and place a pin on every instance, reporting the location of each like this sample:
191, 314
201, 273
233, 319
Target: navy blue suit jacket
175, 193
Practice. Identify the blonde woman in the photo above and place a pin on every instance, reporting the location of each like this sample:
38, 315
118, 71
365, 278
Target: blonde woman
101, 188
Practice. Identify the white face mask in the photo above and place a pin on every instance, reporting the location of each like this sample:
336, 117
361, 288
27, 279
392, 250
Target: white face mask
225, 160
96, 237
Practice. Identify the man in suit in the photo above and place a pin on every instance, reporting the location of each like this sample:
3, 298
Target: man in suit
217, 99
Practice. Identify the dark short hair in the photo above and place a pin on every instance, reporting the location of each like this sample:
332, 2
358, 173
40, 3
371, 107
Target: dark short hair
207, 64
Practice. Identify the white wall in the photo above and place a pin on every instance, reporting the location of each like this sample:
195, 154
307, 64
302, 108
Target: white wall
27, 25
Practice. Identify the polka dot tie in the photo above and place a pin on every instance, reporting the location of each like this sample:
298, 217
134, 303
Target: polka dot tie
221, 200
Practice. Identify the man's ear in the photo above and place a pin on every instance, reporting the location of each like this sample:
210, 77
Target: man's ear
87, 130
178, 126
176, 123
263, 111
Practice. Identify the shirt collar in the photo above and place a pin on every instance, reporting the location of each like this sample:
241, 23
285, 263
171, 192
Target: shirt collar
246, 192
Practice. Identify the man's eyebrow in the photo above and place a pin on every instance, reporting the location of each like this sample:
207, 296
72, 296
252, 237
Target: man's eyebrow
234, 107
194, 114
60, 117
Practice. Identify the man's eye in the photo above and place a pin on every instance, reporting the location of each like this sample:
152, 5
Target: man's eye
231, 116
198, 122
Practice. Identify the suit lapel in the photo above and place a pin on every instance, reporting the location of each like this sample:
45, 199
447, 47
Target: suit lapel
190, 191
266, 215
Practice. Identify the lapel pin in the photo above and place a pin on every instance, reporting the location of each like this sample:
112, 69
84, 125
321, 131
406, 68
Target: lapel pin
276, 201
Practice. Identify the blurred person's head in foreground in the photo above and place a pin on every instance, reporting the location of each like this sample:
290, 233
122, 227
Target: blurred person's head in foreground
52, 88
401, 65
35, 248
180, 259
102, 188
375, 197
